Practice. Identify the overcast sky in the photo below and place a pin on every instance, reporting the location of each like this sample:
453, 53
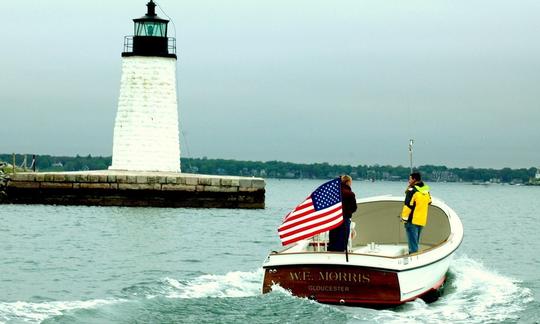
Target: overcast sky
346, 82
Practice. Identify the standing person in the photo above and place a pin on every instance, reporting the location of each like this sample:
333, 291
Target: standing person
339, 236
415, 209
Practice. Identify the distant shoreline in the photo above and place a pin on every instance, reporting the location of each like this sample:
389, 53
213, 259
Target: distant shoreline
289, 170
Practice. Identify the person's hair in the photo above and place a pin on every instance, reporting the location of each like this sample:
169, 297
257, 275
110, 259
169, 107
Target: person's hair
416, 176
345, 178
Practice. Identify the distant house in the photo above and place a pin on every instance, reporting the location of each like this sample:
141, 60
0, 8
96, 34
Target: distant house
290, 175
536, 180
220, 171
516, 181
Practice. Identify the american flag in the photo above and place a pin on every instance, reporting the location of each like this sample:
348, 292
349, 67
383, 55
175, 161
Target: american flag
320, 212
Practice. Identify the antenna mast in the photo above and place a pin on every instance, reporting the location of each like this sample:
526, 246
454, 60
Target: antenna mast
411, 142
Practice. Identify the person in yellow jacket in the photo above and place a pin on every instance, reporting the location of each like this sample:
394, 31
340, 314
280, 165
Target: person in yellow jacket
415, 210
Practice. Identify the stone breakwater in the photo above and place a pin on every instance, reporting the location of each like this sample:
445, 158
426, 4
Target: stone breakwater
135, 188
3, 183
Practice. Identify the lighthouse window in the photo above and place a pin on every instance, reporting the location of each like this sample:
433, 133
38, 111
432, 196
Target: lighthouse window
150, 29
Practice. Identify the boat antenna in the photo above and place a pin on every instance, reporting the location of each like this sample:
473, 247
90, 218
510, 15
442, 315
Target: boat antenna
411, 142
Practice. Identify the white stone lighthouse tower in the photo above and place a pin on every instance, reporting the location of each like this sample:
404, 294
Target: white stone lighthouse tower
146, 127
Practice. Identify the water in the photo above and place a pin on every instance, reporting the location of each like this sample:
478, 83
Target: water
139, 265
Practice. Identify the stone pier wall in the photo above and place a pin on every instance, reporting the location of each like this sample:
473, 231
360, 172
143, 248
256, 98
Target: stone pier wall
3, 184
135, 188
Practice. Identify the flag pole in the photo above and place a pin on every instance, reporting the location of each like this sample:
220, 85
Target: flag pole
347, 241
347, 233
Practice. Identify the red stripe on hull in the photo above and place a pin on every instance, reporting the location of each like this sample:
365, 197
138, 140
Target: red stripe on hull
336, 284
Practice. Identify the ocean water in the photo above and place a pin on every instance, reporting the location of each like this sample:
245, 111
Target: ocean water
158, 265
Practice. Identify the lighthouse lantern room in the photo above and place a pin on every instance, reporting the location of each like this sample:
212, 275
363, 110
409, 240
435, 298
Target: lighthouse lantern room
150, 36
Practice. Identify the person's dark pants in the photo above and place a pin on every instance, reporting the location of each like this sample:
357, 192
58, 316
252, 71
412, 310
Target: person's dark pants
413, 236
339, 236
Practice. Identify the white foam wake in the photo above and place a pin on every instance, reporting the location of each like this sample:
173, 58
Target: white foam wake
36, 312
475, 295
483, 294
232, 284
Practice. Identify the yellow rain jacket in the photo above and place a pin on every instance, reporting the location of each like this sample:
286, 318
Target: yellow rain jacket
415, 208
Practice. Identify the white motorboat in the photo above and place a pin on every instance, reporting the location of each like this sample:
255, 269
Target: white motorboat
377, 271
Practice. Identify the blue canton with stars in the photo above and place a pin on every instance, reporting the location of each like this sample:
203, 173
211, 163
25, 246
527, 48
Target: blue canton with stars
327, 194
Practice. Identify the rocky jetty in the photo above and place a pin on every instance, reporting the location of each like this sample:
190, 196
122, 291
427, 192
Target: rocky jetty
135, 188
3, 184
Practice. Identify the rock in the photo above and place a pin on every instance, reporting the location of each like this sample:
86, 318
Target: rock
3, 183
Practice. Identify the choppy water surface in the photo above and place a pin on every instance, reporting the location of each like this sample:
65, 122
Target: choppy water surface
123, 265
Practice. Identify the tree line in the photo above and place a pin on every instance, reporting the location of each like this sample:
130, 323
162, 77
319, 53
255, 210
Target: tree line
279, 169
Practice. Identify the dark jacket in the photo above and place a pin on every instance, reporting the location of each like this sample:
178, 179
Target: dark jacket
348, 201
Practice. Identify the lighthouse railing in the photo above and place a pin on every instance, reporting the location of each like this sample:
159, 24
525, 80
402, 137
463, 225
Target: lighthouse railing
171, 45
128, 44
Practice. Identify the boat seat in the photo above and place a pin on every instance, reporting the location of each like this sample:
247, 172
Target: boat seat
318, 245
388, 250
300, 246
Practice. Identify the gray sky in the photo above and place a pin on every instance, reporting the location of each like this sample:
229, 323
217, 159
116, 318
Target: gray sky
346, 82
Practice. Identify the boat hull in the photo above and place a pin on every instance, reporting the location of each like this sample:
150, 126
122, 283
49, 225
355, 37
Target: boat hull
336, 284
354, 285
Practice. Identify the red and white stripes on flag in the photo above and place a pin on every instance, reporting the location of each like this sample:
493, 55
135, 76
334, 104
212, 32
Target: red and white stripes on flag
320, 212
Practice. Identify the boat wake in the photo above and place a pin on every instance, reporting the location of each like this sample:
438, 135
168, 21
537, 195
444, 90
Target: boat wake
232, 284
36, 312
473, 294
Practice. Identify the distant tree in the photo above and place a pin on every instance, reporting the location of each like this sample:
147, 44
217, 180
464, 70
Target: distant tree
278, 169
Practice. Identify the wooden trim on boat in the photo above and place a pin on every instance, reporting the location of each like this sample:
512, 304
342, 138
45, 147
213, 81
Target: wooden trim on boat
336, 284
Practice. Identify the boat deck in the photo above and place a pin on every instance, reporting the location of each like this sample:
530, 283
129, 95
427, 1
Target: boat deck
376, 231
375, 249
387, 250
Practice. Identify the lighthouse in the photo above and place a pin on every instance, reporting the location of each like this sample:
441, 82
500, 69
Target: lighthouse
146, 133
